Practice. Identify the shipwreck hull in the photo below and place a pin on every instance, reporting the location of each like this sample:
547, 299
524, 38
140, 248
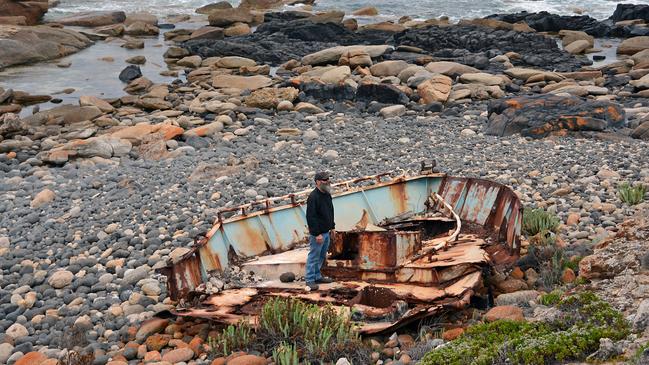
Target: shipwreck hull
420, 276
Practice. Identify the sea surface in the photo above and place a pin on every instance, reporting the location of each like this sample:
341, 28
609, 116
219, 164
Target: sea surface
90, 76
454, 9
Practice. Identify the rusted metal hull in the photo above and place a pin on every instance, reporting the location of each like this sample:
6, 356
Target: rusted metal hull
468, 223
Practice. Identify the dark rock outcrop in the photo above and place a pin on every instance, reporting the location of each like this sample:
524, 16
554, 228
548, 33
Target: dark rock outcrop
542, 115
473, 45
546, 22
630, 12
32, 10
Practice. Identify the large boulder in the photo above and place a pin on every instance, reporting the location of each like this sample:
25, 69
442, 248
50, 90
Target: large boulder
31, 10
94, 18
269, 98
332, 55
19, 45
450, 68
104, 147
435, 89
641, 131
633, 45
226, 17
630, 12
207, 9
542, 115
383, 93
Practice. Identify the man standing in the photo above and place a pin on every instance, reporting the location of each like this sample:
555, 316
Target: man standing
320, 218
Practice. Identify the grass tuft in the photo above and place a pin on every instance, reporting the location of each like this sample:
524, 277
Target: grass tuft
631, 195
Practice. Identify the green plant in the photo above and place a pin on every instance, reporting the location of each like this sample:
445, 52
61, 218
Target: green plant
537, 221
233, 338
321, 332
572, 335
640, 355
286, 355
631, 195
551, 298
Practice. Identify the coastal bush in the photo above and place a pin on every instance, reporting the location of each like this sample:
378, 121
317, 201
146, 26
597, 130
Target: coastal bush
537, 221
573, 335
551, 298
320, 333
232, 338
632, 195
641, 354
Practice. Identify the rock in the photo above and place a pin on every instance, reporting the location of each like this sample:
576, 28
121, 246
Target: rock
388, 68
393, 111
31, 358
519, 298
178, 355
451, 69
568, 276
93, 19
435, 89
366, 11
104, 106
540, 116
630, 12
287, 277
149, 327
570, 36
207, 9
141, 29
207, 32
382, 93
31, 12
92, 147
641, 131
577, 47
308, 108
43, 198
248, 360
573, 219
343, 361
336, 75
130, 73
482, 78
641, 318
226, 17
285, 105
237, 29
269, 98
633, 45
235, 62
355, 58
452, 334
332, 55
133, 43
16, 331
466, 132
21, 45
6, 350
504, 312
190, 61
204, 130
136, 60
141, 17
241, 82
60, 279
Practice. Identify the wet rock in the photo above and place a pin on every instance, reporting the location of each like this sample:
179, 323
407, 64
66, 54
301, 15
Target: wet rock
94, 18
539, 116
630, 12
546, 22
466, 43
130, 73
38, 43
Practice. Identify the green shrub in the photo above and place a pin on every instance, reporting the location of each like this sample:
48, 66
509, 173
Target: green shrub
233, 338
320, 332
537, 221
632, 195
551, 298
286, 355
573, 335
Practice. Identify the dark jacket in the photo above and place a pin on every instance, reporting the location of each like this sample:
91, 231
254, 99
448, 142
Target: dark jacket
319, 212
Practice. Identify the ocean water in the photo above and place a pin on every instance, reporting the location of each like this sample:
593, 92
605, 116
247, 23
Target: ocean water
388, 9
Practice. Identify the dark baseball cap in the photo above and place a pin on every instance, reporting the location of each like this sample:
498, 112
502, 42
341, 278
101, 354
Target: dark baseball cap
322, 175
